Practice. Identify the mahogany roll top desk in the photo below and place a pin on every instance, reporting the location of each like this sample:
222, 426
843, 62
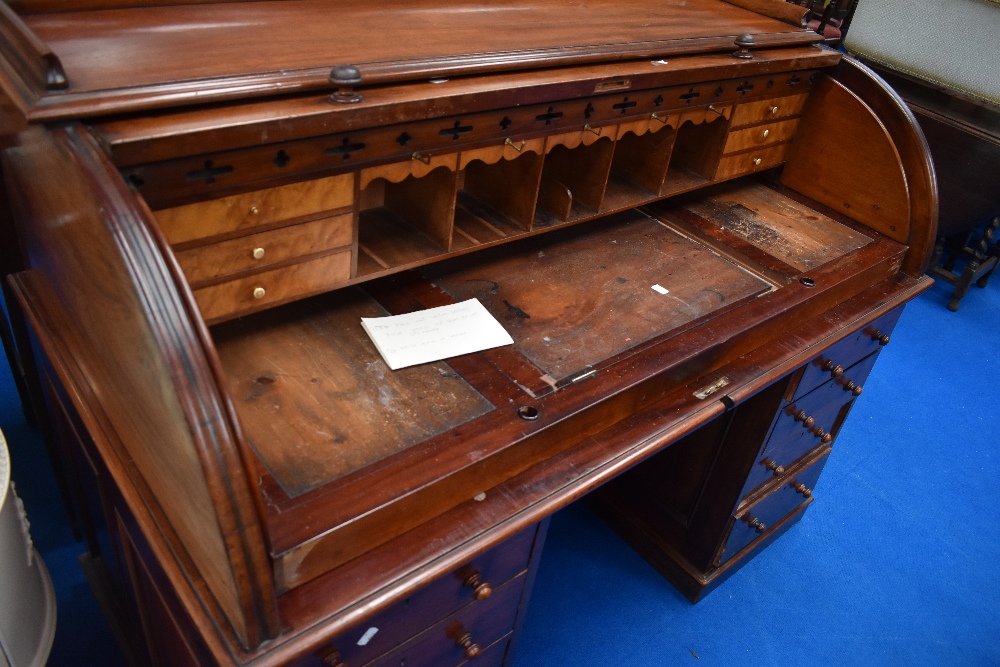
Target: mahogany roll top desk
698, 224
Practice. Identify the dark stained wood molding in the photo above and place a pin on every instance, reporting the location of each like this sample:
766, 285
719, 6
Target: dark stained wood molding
68, 104
20, 46
134, 141
53, 6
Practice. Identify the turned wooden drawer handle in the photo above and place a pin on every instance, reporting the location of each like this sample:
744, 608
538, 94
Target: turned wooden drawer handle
852, 387
881, 338
480, 589
807, 420
332, 659
773, 466
799, 487
469, 648
821, 434
809, 423
836, 370
754, 523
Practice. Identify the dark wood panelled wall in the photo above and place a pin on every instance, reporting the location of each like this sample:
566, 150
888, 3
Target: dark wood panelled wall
697, 281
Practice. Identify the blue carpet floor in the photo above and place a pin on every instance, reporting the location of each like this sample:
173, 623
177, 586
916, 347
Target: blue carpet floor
894, 564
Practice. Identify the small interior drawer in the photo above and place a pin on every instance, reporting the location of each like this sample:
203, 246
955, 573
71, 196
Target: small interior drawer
764, 110
751, 161
753, 522
845, 354
462, 636
761, 135
258, 209
441, 598
271, 287
258, 251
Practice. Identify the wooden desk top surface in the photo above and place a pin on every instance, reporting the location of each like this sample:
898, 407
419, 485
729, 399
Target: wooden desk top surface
196, 52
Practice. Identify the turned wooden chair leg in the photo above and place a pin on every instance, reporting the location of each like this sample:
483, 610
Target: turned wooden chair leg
992, 252
963, 283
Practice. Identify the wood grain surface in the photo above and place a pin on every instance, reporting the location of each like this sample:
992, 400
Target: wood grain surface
132, 341
317, 401
535, 293
783, 228
122, 48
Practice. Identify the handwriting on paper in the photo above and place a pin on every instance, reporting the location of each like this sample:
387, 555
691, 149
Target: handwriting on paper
435, 333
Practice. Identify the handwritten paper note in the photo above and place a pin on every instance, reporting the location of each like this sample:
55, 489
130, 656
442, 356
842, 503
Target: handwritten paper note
435, 333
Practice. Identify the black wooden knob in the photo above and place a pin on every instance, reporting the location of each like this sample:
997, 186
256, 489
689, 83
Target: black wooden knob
744, 42
345, 77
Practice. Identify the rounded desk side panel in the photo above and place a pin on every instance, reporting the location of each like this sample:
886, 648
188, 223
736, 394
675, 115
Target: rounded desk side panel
860, 151
136, 361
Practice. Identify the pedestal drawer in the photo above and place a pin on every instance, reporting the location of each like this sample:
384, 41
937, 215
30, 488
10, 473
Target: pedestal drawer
493, 655
809, 422
462, 636
846, 353
753, 522
475, 584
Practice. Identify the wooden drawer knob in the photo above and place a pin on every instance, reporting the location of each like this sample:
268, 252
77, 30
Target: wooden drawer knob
764, 135
345, 78
332, 659
258, 293
773, 110
258, 253
469, 648
756, 161
850, 386
773, 466
836, 370
883, 339
801, 488
754, 523
480, 589
824, 437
